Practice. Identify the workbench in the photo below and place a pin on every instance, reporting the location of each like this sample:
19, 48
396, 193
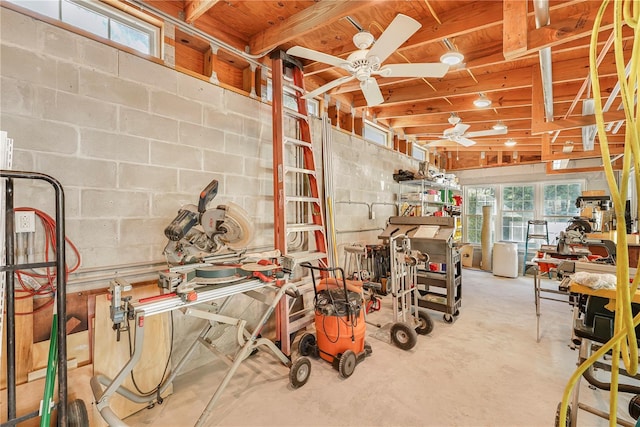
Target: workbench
199, 306
558, 293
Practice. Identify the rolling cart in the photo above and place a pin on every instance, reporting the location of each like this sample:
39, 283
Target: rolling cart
409, 320
339, 321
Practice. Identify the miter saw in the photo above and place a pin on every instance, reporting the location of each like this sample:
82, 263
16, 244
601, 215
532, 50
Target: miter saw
198, 233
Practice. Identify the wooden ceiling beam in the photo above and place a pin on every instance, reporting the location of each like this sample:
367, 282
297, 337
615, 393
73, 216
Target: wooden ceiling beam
577, 24
538, 127
593, 154
514, 28
194, 9
564, 92
309, 19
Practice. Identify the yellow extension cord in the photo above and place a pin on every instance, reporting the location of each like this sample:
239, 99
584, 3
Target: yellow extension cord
623, 343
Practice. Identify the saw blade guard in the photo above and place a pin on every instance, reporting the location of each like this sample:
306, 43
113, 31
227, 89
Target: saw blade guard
238, 227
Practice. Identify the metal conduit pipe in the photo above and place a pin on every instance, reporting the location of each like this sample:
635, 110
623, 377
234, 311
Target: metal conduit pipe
349, 202
369, 205
194, 31
395, 205
361, 230
541, 9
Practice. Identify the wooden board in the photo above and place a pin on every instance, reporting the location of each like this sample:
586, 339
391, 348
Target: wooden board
76, 308
110, 355
30, 394
77, 348
24, 341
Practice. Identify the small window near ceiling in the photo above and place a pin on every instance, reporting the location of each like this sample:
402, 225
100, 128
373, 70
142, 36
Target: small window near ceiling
376, 134
418, 152
313, 106
101, 20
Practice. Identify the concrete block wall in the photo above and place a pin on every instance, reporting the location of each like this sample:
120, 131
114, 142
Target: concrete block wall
132, 140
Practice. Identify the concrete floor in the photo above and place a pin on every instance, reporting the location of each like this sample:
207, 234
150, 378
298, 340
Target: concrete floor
485, 369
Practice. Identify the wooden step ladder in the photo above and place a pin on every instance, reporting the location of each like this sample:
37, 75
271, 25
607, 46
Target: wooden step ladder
299, 228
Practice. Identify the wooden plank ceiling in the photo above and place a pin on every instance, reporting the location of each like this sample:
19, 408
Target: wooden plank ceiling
501, 61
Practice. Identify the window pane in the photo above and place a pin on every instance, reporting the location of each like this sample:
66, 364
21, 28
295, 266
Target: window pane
560, 206
86, 19
373, 134
44, 7
417, 153
129, 36
475, 199
516, 212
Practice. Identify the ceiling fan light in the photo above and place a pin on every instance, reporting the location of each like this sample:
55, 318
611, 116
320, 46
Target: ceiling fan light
482, 101
362, 39
452, 57
499, 125
510, 143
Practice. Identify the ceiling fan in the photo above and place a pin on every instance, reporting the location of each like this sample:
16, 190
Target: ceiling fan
458, 133
365, 63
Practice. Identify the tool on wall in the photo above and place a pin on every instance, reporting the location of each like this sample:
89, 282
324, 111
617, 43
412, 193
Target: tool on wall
197, 233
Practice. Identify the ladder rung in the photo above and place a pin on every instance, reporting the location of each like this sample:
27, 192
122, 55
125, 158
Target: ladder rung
306, 199
536, 236
299, 170
294, 114
296, 141
301, 257
290, 85
297, 228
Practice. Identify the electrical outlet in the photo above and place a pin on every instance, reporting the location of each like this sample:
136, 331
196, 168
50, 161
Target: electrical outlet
25, 222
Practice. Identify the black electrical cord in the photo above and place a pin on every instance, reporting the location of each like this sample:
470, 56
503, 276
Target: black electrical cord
156, 390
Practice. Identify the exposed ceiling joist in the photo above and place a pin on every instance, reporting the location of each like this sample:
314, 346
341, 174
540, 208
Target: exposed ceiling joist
309, 19
194, 9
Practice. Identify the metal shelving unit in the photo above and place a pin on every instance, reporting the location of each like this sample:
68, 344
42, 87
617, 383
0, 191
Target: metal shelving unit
416, 198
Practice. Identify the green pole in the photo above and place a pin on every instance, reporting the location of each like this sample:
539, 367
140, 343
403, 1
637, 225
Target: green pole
47, 403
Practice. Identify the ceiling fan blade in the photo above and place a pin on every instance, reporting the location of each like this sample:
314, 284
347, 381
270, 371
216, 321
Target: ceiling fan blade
401, 28
314, 55
328, 86
371, 92
466, 142
435, 70
487, 132
436, 143
461, 128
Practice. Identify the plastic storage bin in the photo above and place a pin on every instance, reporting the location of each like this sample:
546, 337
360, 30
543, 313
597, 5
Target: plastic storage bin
505, 259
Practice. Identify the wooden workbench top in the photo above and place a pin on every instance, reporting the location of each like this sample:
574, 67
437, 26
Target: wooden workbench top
604, 293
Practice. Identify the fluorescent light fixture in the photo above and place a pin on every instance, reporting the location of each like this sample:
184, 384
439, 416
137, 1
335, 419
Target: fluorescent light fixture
452, 57
510, 142
499, 125
482, 101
